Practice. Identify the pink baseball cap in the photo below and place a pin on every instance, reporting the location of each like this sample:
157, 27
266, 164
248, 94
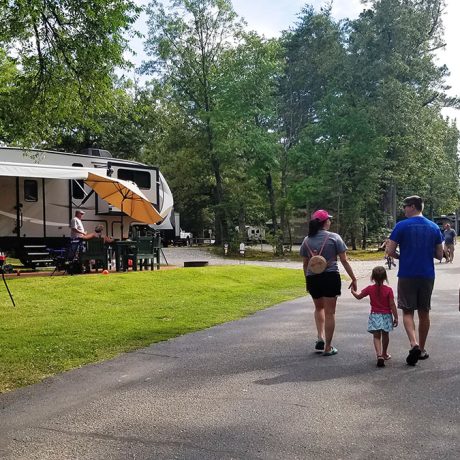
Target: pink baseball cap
321, 215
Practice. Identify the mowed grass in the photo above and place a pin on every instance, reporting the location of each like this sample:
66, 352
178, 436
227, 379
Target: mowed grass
365, 254
254, 253
64, 322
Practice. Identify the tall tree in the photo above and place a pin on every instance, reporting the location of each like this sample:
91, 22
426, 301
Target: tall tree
392, 45
223, 82
175, 146
314, 58
245, 118
186, 44
360, 113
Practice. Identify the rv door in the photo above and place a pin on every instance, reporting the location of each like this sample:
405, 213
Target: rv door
10, 206
21, 204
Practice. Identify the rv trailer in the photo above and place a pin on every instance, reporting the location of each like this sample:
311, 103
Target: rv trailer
40, 191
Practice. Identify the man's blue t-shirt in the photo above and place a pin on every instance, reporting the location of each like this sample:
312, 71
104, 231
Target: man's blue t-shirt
417, 238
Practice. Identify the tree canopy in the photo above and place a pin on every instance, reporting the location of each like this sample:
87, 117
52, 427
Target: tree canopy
60, 58
343, 115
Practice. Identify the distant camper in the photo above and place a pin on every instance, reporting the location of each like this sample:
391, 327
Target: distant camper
253, 234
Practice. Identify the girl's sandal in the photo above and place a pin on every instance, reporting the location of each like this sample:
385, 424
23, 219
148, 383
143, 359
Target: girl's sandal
386, 356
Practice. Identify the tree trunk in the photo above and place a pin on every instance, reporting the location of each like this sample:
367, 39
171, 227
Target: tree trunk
272, 201
219, 211
364, 243
283, 209
220, 219
389, 205
353, 240
242, 223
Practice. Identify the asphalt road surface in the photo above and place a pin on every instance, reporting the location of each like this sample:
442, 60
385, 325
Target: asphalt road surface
254, 389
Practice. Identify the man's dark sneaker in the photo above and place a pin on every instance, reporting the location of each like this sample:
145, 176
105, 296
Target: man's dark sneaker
319, 345
414, 355
380, 361
423, 355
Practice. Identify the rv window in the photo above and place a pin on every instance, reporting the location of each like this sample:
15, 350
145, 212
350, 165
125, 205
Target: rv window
30, 190
78, 191
140, 178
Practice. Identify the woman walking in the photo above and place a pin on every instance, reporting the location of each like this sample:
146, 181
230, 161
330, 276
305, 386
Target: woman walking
320, 250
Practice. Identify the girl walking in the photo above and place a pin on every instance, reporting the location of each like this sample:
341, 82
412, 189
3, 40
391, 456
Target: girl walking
383, 316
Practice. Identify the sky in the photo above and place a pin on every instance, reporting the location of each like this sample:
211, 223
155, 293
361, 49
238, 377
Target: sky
270, 17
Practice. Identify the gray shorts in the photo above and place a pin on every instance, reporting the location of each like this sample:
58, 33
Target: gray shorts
415, 293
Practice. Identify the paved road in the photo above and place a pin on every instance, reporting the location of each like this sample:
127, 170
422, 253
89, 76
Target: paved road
253, 389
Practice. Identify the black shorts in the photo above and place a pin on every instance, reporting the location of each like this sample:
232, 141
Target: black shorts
326, 284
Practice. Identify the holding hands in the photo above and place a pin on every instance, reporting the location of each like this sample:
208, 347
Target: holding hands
353, 286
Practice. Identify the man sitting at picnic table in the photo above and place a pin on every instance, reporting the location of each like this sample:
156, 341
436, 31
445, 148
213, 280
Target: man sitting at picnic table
77, 230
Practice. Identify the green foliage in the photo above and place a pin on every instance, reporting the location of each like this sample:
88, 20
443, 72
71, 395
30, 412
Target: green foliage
175, 146
362, 116
64, 54
395, 42
124, 127
65, 322
343, 115
219, 83
187, 43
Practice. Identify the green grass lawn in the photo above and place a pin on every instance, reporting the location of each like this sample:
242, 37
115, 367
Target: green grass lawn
368, 254
254, 253
67, 321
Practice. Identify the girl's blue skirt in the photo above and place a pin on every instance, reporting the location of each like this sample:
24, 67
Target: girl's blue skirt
380, 322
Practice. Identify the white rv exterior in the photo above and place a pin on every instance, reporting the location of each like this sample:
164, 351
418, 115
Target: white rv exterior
37, 208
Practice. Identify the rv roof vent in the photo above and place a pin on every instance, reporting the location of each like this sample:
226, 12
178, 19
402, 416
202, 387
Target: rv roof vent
96, 152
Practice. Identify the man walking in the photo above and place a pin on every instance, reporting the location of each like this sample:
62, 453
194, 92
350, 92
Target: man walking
419, 241
450, 239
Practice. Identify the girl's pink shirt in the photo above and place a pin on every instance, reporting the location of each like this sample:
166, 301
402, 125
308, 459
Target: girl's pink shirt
380, 297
